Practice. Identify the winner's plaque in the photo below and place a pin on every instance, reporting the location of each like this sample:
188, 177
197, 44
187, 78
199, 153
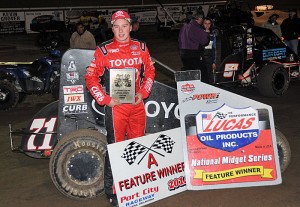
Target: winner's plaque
122, 84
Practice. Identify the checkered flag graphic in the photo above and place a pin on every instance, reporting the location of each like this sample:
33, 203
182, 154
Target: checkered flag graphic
164, 142
220, 115
132, 150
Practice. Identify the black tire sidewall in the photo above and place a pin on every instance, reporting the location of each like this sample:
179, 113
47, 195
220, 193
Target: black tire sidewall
266, 80
284, 151
13, 95
66, 147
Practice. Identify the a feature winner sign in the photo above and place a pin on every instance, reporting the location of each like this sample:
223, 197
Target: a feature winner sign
228, 142
148, 169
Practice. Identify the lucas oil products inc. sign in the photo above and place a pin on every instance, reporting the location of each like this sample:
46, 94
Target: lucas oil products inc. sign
228, 142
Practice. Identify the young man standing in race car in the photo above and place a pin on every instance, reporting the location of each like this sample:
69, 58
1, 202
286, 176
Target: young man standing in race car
121, 120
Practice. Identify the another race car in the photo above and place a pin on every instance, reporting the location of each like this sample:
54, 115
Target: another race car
256, 56
18, 79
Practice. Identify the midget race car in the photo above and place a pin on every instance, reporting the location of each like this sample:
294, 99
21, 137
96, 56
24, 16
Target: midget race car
71, 131
256, 56
19, 79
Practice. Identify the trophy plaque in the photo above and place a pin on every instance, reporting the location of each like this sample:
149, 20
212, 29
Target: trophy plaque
122, 84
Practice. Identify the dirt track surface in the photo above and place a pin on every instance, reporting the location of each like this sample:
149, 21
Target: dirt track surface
25, 181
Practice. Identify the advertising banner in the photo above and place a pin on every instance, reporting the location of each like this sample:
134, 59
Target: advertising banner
228, 140
12, 22
148, 168
144, 15
176, 12
51, 20
73, 16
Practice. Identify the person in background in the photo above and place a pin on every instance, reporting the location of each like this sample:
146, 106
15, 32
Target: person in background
199, 11
135, 28
82, 39
290, 29
192, 39
122, 120
210, 51
86, 20
273, 25
100, 32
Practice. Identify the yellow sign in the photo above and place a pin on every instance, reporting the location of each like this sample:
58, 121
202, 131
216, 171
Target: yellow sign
233, 173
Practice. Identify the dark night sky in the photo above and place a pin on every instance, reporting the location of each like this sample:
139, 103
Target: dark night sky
278, 4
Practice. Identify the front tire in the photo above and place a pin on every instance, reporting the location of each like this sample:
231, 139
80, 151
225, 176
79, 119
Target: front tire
77, 164
9, 95
273, 80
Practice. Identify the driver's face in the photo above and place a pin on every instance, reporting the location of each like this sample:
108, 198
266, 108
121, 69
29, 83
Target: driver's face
121, 29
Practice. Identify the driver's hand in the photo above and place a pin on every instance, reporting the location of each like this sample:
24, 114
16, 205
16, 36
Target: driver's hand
139, 98
114, 102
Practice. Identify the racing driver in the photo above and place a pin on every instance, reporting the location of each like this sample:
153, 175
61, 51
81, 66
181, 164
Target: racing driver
122, 120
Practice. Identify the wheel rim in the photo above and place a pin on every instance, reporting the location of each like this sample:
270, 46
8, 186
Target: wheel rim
279, 81
4, 95
84, 167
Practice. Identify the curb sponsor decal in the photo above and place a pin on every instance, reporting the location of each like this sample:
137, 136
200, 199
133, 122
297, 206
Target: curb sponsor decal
75, 108
227, 128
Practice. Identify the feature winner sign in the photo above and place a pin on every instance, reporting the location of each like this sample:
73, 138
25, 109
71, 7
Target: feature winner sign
227, 143
148, 169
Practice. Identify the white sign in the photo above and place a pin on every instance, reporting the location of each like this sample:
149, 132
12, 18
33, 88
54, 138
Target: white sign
58, 15
228, 141
148, 168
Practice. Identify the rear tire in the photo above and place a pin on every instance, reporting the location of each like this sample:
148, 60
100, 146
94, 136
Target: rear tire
273, 80
284, 150
9, 95
77, 164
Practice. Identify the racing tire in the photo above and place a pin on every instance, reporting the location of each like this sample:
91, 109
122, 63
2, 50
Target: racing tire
9, 95
273, 80
77, 164
284, 150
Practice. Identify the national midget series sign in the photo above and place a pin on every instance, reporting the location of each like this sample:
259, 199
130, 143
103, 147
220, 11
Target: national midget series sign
148, 169
229, 142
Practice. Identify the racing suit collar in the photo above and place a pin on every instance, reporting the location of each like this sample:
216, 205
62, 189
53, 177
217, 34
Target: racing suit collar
122, 44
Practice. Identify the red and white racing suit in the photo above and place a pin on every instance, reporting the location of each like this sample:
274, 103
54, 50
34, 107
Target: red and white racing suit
125, 120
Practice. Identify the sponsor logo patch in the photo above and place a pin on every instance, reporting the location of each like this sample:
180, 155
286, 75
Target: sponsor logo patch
227, 128
73, 89
74, 98
75, 108
72, 77
72, 66
188, 88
